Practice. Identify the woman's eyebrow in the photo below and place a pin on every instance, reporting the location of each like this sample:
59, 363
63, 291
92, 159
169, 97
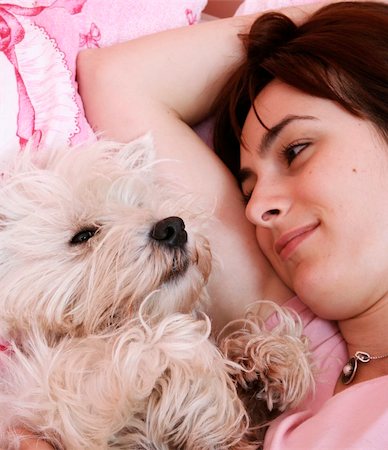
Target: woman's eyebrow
272, 133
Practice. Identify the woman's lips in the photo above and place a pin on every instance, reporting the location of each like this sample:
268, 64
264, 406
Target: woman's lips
289, 241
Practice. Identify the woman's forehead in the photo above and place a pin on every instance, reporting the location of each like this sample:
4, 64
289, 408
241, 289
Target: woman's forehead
279, 104
279, 99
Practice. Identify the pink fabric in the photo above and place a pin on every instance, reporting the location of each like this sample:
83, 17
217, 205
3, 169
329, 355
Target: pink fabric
39, 43
252, 6
353, 419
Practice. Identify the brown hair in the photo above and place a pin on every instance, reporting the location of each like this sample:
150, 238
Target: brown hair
340, 54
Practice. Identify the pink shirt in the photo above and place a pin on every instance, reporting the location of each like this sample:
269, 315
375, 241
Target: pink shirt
356, 418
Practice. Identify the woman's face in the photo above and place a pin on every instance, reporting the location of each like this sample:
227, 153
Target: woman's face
317, 191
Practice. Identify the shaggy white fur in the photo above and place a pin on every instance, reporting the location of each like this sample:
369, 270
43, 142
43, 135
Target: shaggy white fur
102, 284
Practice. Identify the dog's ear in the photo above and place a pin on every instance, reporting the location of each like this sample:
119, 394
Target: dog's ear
139, 153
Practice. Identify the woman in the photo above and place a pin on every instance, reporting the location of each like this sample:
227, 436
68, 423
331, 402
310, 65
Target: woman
310, 149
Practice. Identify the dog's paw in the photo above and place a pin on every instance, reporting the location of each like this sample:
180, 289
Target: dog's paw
276, 370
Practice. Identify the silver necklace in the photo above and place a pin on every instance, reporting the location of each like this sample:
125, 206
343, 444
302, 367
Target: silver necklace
350, 368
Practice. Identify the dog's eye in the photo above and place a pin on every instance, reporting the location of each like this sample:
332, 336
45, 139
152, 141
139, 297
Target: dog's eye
83, 236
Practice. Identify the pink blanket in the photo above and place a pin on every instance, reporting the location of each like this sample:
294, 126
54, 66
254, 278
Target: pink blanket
39, 42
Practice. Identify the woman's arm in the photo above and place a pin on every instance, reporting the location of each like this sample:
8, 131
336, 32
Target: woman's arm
159, 81
165, 83
170, 78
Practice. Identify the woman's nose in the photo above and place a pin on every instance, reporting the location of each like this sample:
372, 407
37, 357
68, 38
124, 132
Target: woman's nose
266, 207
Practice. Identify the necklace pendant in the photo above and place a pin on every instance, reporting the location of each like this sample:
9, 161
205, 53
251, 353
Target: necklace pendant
349, 371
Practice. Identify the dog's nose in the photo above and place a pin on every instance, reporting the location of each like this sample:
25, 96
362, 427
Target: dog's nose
170, 231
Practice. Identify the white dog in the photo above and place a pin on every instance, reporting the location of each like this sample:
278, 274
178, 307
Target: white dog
102, 279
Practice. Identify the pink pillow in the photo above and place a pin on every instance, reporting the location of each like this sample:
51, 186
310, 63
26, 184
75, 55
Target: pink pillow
252, 6
39, 42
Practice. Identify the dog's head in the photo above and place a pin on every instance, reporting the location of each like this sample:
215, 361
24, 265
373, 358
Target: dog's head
87, 235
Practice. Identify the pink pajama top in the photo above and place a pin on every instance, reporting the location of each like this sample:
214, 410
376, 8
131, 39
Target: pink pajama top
356, 418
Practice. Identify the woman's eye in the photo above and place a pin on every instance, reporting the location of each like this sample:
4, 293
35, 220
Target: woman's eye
246, 197
83, 236
246, 192
290, 152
